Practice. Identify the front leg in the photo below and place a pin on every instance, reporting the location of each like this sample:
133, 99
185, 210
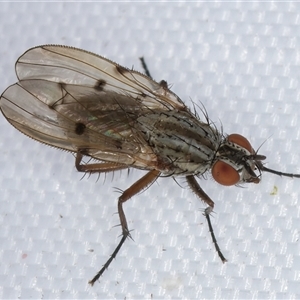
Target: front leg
194, 185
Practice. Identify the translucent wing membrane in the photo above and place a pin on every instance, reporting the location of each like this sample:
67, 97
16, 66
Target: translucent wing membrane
65, 92
78, 67
48, 112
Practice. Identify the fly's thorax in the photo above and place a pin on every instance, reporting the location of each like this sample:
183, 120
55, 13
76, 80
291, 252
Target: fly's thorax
236, 161
184, 145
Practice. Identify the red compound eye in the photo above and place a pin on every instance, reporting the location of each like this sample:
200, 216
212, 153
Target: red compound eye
241, 141
224, 173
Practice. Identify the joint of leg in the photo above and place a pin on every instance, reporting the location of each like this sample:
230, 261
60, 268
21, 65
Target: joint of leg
208, 210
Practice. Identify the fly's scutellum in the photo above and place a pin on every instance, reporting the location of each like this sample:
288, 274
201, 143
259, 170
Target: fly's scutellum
78, 101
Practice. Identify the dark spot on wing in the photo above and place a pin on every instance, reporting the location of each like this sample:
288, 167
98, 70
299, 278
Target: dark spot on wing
140, 98
79, 128
121, 69
119, 145
100, 84
164, 84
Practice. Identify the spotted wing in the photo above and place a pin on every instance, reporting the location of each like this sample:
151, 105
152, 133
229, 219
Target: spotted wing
73, 99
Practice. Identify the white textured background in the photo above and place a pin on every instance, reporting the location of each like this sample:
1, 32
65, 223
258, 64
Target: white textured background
242, 61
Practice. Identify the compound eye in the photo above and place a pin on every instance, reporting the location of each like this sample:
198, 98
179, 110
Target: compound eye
225, 174
240, 141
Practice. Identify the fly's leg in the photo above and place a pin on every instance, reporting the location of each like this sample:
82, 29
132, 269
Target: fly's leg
145, 67
138, 186
207, 211
162, 83
97, 167
194, 185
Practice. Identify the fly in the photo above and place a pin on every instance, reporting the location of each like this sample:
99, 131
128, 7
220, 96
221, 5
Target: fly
81, 102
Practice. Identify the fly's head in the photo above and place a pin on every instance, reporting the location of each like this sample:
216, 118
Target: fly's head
236, 162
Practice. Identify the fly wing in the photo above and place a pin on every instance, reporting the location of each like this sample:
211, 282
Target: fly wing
76, 100
61, 116
75, 66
